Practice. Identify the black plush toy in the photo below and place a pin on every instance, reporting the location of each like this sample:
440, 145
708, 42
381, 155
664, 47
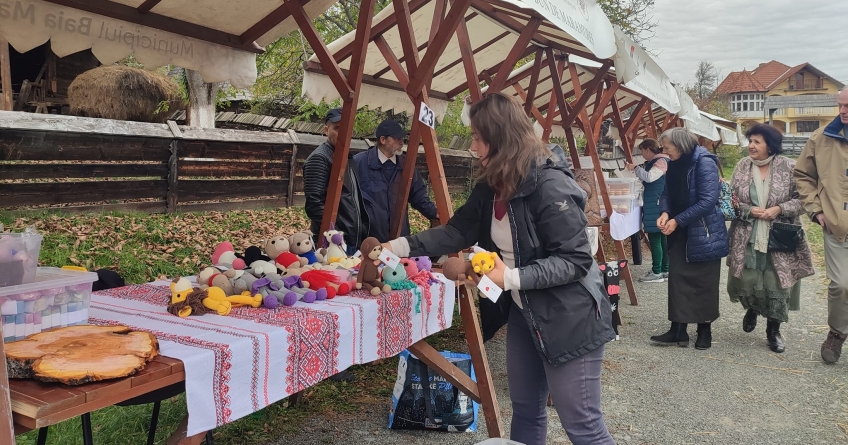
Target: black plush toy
253, 253
612, 280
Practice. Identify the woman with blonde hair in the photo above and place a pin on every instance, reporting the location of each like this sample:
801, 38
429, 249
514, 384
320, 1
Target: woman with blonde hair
527, 207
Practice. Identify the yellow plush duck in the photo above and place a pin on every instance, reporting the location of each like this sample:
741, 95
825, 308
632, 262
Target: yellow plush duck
186, 300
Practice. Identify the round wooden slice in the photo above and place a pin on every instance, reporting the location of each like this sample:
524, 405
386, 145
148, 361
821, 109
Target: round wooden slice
81, 354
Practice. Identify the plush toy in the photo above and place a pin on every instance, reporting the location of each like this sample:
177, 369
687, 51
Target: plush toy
213, 277
612, 278
225, 255
396, 277
483, 262
286, 291
253, 254
409, 266
457, 269
277, 248
423, 263
368, 277
301, 244
319, 279
332, 248
187, 301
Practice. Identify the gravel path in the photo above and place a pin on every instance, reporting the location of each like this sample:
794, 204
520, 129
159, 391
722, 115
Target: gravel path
738, 392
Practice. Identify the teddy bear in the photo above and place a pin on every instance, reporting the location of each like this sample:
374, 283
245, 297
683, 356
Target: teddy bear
277, 247
301, 244
368, 277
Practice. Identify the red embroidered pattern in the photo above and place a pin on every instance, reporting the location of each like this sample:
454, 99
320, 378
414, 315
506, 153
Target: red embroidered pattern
394, 320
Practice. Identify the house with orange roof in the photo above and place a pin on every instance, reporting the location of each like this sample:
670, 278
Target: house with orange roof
757, 96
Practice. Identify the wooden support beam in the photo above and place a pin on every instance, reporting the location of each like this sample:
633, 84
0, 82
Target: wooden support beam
601, 104
534, 82
446, 31
533, 110
349, 104
6, 102
161, 22
392, 61
669, 122
517, 49
652, 124
449, 66
431, 357
379, 28
637, 115
148, 5
580, 100
328, 64
573, 151
468, 62
266, 24
463, 86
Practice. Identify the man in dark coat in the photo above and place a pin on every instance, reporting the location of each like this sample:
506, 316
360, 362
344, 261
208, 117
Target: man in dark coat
380, 170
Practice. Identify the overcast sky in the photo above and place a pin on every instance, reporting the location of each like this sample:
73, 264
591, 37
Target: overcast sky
737, 34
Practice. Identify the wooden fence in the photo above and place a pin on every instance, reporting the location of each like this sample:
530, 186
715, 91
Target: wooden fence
82, 164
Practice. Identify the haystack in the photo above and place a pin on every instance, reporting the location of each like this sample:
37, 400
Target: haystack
124, 93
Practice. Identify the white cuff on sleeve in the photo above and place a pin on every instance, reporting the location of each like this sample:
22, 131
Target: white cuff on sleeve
512, 280
400, 247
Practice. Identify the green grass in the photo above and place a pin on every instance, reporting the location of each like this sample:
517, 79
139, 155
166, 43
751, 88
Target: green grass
143, 248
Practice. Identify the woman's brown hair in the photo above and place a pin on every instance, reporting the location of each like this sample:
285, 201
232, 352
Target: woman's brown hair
651, 145
499, 120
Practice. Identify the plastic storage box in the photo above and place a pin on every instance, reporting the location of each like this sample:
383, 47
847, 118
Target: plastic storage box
624, 204
621, 186
18, 257
56, 298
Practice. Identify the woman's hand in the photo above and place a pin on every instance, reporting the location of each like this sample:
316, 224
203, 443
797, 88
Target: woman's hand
387, 246
670, 226
662, 220
630, 167
771, 213
757, 212
497, 274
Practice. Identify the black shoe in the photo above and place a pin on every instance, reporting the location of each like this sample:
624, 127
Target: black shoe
705, 336
749, 323
775, 340
343, 376
677, 335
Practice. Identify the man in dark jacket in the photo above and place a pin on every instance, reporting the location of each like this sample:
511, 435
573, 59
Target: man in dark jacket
351, 218
380, 170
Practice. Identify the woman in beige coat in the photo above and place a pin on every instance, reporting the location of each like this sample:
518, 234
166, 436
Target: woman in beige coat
766, 283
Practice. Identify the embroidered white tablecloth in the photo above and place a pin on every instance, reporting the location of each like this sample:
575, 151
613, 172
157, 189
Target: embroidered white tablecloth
238, 364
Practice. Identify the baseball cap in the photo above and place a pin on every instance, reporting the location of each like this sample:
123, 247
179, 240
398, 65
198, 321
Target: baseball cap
333, 115
391, 128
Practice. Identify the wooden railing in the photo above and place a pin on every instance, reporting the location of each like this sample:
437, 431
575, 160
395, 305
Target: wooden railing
82, 164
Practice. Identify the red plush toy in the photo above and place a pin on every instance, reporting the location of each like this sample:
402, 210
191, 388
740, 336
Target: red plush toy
318, 279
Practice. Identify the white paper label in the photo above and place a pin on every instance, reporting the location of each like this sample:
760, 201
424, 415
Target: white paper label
389, 259
488, 287
426, 116
357, 254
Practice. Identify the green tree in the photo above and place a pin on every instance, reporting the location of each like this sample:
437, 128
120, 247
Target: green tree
632, 16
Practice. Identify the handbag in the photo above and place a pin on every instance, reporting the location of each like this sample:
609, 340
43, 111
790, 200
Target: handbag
728, 202
784, 237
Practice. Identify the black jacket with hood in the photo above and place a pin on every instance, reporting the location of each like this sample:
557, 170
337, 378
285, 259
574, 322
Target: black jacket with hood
565, 305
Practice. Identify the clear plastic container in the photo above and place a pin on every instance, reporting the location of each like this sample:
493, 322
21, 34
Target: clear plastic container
19, 257
621, 186
624, 204
56, 298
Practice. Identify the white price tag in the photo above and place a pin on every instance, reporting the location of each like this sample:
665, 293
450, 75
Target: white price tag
389, 259
491, 290
426, 116
357, 254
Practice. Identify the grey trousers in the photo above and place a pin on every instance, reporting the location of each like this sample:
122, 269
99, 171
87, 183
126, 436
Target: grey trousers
836, 262
575, 387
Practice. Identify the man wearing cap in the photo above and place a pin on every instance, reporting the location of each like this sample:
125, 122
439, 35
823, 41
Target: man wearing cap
351, 218
380, 170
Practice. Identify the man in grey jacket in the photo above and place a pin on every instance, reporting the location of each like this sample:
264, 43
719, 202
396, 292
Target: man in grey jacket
351, 218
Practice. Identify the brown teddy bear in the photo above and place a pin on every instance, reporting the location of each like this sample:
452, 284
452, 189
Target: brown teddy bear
278, 245
301, 245
368, 277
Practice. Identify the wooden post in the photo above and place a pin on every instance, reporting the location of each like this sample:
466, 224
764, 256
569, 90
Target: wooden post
292, 174
173, 197
6, 103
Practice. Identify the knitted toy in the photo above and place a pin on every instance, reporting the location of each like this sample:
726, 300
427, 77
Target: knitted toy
483, 262
368, 277
612, 280
287, 291
187, 301
225, 255
279, 246
301, 244
409, 266
332, 248
322, 279
397, 279
423, 263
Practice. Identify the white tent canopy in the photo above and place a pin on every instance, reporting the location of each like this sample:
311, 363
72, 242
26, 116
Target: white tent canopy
213, 37
637, 70
702, 125
493, 27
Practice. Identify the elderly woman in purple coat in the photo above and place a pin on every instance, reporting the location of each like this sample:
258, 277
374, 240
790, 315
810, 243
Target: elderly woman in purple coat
767, 283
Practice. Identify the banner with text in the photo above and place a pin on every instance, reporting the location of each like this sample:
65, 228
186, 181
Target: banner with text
27, 24
637, 70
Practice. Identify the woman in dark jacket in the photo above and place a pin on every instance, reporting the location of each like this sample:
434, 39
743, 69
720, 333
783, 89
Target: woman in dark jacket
528, 208
697, 237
